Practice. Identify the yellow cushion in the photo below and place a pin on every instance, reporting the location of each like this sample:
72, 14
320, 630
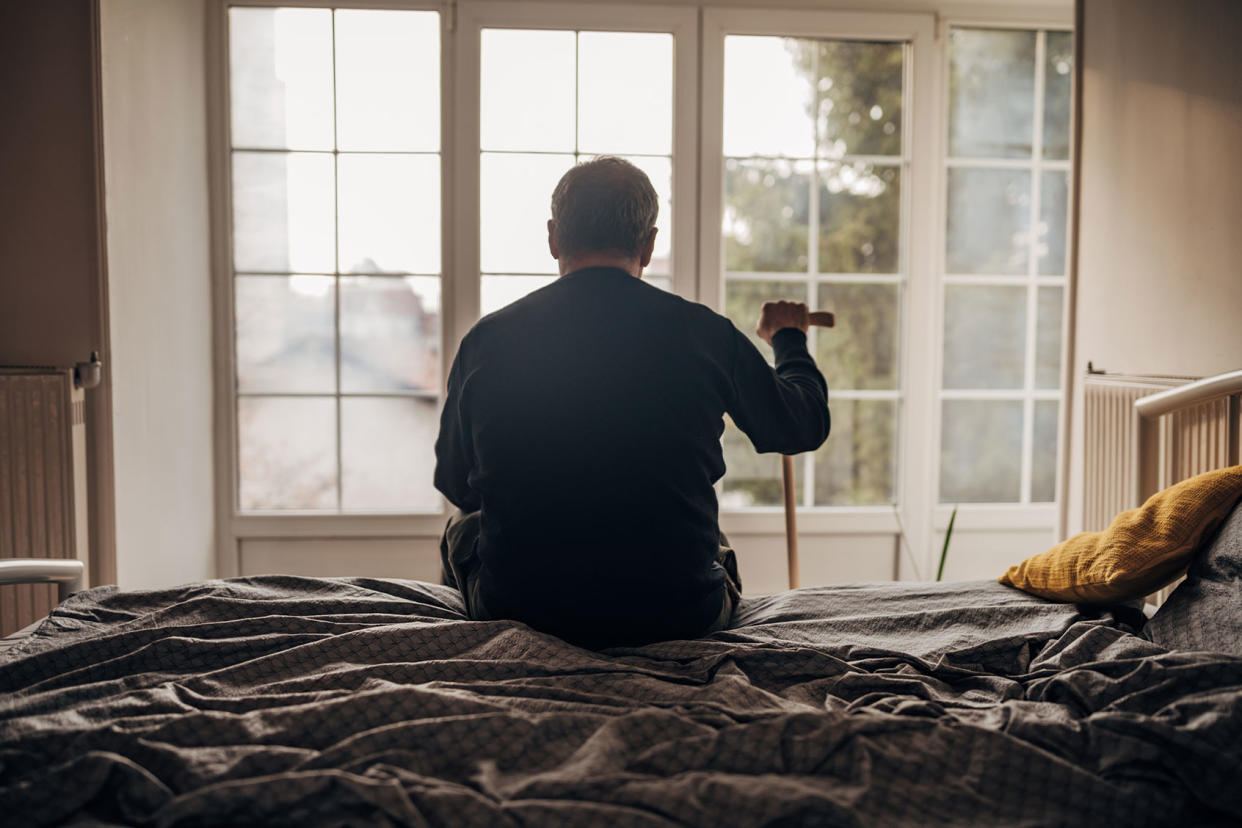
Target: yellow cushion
1142, 550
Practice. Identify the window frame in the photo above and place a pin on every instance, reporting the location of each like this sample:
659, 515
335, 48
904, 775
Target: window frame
918, 185
699, 31
1022, 516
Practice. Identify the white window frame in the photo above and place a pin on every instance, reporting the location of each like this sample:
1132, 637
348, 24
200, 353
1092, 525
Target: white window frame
917, 252
995, 517
697, 185
472, 18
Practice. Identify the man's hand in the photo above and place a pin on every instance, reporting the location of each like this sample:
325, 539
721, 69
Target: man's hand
777, 315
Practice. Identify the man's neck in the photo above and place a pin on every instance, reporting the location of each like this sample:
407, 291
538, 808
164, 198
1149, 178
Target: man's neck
568, 264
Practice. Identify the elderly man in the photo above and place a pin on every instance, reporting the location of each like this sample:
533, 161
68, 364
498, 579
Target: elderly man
580, 438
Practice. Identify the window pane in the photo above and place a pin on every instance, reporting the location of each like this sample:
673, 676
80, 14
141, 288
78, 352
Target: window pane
388, 80
859, 218
989, 221
744, 298
861, 351
387, 453
1044, 459
527, 90
287, 452
1058, 87
856, 466
390, 333
1048, 338
498, 291
660, 171
280, 70
981, 451
768, 95
285, 334
515, 208
283, 215
610, 99
991, 93
389, 212
766, 216
750, 479
984, 336
1053, 206
859, 97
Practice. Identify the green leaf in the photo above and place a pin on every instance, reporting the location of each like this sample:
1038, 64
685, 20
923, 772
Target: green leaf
944, 550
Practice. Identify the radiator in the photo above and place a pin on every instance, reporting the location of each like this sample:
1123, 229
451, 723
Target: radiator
42, 481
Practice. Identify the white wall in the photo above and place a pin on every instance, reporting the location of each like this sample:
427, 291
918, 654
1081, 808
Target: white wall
155, 168
1160, 221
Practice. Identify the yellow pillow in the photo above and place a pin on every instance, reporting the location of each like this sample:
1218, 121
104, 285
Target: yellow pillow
1142, 550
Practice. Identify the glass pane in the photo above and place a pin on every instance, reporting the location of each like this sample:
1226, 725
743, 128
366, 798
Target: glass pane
285, 340
515, 208
984, 336
660, 171
662, 282
1058, 87
750, 479
388, 453
287, 452
610, 97
280, 71
768, 95
527, 90
498, 291
991, 93
766, 216
981, 451
859, 97
861, 351
388, 80
283, 213
859, 218
1044, 448
856, 466
389, 208
989, 221
1048, 338
744, 298
390, 334
1053, 205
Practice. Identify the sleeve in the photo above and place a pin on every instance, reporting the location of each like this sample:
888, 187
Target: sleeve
454, 447
783, 409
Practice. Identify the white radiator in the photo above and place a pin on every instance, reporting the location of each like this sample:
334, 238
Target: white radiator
42, 481
1108, 442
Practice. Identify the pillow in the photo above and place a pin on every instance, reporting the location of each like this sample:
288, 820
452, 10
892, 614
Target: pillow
1142, 550
1205, 611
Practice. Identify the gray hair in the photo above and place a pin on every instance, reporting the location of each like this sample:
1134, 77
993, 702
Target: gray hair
606, 203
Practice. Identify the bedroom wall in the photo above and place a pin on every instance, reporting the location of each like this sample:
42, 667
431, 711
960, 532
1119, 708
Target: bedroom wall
154, 120
1160, 252
53, 300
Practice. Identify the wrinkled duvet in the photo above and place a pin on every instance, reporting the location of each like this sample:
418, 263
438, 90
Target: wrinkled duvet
304, 701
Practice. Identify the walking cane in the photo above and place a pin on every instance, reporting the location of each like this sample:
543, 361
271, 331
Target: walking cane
824, 319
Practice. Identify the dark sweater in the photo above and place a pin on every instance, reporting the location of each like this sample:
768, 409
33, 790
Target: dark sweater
584, 421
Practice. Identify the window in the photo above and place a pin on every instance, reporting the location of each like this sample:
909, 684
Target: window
335, 122
813, 163
1005, 263
916, 184
549, 98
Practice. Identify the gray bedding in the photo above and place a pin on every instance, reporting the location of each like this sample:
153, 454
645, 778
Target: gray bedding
301, 701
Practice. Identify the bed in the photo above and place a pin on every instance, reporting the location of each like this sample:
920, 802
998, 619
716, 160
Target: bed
304, 701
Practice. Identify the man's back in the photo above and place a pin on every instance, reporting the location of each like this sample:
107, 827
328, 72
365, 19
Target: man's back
584, 421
